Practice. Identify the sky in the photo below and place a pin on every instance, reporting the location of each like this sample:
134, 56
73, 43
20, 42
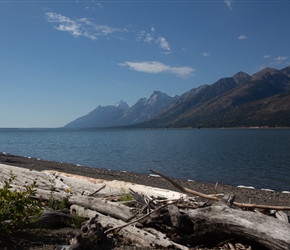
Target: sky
60, 59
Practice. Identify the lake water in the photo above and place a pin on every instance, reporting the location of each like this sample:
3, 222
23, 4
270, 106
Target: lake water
250, 157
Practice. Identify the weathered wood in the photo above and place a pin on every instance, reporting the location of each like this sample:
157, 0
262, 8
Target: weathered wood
215, 198
280, 215
25, 176
113, 209
76, 184
222, 220
86, 183
218, 219
174, 216
130, 233
91, 237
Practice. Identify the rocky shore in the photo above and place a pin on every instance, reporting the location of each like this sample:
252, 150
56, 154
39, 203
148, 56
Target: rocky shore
246, 195
48, 239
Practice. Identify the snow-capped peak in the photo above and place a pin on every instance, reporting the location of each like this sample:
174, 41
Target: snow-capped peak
122, 105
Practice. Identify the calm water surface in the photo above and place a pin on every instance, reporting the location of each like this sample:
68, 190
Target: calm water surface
250, 157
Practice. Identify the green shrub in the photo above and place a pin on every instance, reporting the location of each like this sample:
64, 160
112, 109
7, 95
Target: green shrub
125, 197
17, 207
55, 204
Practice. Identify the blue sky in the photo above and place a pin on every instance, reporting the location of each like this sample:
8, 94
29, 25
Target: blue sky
61, 59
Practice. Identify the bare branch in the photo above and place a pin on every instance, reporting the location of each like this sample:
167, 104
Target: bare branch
214, 198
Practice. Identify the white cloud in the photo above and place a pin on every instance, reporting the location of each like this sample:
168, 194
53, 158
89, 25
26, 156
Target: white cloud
266, 56
80, 27
141, 35
163, 43
205, 54
281, 58
229, 3
150, 38
182, 71
242, 37
92, 6
100, 6
54, 17
155, 67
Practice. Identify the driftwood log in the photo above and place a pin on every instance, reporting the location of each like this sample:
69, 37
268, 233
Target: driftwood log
91, 237
196, 226
113, 209
142, 237
158, 219
222, 222
215, 198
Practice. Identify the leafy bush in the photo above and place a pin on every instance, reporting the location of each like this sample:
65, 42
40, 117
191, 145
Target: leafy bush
17, 207
56, 204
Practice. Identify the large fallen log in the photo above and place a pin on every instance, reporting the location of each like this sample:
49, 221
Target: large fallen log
136, 236
77, 182
113, 209
23, 176
222, 221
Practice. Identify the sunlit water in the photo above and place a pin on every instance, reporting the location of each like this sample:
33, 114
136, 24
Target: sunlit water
250, 157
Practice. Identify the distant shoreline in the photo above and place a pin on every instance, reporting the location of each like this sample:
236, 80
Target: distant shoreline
246, 195
134, 128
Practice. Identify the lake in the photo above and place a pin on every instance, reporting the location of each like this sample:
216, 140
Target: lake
249, 157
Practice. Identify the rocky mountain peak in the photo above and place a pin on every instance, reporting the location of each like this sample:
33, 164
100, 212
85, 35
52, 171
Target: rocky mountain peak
265, 73
286, 71
157, 96
241, 77
122, 105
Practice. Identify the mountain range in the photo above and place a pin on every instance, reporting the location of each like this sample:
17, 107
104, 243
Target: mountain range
121, 114
262, 99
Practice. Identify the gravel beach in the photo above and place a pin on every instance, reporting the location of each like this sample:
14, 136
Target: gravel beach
245, 195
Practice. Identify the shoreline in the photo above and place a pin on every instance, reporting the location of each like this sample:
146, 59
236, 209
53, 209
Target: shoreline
242, 194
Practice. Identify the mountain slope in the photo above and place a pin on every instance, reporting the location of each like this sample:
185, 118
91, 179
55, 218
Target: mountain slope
99, 117
262, 99
240, 100
121, 114
145, 109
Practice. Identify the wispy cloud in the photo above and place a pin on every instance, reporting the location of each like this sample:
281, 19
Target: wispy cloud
100, 5
155, 67
163, 43
266, 56
93, 6
205, 54
229, 3
81, 26
150, 37
242, 37
281, 58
